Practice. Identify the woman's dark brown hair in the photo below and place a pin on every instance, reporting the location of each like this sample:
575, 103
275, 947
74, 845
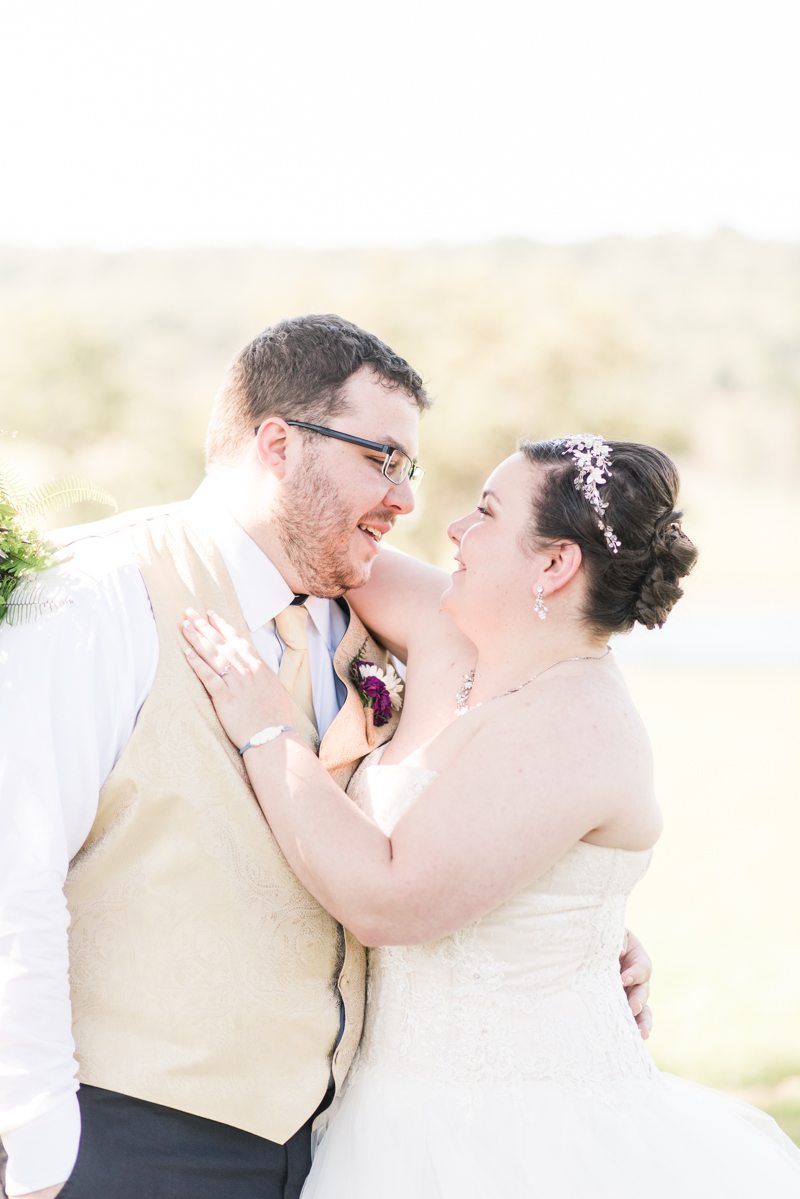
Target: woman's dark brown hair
640, 583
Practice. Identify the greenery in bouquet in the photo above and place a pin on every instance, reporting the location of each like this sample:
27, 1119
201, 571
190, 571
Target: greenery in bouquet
25, 551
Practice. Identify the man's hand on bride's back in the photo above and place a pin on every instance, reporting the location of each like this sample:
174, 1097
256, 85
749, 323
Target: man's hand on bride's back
246, 694
636, 968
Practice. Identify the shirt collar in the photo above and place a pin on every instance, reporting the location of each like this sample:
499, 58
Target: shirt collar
260, 588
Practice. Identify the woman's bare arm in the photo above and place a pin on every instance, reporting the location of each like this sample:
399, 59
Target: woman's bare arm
493, 821
401, 599
266, 702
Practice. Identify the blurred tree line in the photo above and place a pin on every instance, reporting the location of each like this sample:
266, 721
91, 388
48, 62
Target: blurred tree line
109, 362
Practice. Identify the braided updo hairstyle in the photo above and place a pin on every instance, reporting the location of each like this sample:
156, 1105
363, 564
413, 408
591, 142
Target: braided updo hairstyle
641, 582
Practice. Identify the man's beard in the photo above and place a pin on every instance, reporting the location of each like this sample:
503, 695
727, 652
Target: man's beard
315, 526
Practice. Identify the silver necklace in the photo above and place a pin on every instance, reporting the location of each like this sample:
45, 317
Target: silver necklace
469, 681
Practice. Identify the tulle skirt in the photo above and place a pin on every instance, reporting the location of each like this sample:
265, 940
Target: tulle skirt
665, 1138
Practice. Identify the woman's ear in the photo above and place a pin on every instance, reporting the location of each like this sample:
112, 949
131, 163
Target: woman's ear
271, 440
565, 562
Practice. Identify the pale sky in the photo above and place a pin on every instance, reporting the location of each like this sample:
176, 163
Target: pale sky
315, 124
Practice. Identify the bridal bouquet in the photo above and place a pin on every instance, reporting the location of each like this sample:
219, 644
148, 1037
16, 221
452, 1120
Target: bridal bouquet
24, 550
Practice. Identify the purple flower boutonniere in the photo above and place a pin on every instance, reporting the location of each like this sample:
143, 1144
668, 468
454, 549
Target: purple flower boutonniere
379, 690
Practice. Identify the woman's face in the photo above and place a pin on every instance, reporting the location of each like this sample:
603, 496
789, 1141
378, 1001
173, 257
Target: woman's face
496, 572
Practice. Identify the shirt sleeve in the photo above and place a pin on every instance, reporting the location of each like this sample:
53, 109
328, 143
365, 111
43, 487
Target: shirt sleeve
72, 683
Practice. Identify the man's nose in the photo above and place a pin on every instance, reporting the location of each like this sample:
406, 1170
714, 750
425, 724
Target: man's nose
400, 498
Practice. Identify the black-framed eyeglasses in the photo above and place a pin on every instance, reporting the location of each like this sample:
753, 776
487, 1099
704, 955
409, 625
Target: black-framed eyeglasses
397, 466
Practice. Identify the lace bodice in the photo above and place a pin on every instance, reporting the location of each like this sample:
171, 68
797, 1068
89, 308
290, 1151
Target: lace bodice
530, 991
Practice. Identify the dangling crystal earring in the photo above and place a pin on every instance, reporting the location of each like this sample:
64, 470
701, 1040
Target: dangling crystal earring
539, 606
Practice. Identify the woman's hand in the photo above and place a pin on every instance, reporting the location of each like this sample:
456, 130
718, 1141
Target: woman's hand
245, 693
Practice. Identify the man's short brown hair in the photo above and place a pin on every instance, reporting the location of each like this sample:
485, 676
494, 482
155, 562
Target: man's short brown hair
297, 370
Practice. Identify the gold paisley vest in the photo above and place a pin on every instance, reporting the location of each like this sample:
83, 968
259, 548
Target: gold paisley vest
203, 975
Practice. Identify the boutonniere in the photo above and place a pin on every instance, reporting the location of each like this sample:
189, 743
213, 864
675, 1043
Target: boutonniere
380, 690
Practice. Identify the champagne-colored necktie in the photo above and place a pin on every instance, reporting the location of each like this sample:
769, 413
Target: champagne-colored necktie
295, 668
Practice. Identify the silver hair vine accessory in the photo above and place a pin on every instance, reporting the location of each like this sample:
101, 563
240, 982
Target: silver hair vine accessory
592, 457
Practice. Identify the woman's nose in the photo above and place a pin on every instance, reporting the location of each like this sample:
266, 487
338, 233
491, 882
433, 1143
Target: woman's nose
455, 531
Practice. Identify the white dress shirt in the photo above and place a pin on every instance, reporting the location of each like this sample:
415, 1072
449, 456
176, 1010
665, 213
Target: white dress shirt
72, 683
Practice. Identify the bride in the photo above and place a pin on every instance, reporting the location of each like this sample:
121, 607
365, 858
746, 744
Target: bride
490, 852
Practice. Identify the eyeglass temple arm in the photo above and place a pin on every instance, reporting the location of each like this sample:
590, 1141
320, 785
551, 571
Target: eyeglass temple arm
369, 445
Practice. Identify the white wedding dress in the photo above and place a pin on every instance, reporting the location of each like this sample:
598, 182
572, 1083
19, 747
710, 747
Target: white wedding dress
503, 1061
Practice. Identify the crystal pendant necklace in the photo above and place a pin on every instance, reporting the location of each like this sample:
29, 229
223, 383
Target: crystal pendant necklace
469, 681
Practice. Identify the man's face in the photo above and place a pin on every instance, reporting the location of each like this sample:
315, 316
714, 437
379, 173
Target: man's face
336, 504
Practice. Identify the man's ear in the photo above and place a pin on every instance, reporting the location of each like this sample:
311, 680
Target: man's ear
271, 441
565, 562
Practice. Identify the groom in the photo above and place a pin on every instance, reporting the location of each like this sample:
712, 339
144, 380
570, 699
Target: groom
211, 1003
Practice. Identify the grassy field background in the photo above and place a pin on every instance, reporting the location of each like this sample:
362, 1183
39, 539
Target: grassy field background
720, 908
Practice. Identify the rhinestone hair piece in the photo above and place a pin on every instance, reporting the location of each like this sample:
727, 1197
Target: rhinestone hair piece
592, 458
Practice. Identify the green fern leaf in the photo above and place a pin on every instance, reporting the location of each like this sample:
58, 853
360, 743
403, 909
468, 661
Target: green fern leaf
24, 551
27, 602
11, 488
52, 497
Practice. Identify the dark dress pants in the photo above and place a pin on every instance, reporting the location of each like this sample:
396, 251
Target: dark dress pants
132, 1149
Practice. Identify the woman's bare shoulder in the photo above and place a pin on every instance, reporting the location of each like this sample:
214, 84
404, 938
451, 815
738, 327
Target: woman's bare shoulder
573, 732
592, 723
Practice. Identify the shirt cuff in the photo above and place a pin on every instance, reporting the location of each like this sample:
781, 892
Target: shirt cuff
43, 1152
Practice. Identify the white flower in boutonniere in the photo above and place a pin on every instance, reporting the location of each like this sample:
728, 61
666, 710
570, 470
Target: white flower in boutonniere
389, 677
380, 690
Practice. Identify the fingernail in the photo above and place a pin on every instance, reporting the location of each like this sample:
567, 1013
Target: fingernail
627, 979
187, 624
211, 612
188, 653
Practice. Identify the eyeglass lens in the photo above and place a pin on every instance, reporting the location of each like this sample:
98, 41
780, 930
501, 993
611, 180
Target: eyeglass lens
399, 467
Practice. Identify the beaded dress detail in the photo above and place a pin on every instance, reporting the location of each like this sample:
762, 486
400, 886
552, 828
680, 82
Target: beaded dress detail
503, 1060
